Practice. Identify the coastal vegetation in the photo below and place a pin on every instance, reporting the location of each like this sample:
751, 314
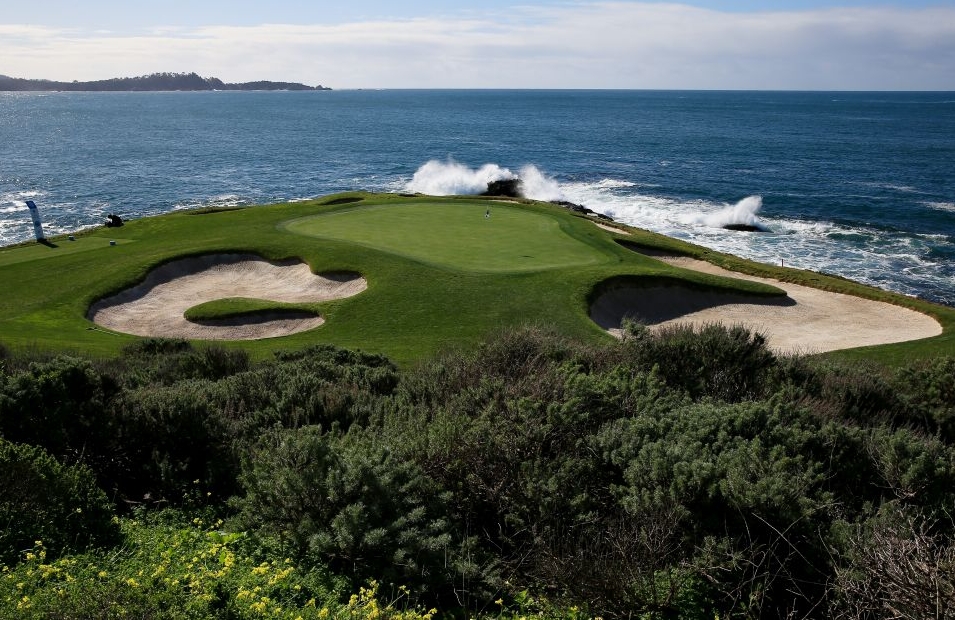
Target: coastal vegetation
458, 440
152, 82
668, 475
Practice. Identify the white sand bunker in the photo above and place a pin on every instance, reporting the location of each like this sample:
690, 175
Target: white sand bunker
807, 320
156, 307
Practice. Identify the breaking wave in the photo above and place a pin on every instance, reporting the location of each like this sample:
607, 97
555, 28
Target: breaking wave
449, 178
889, 259
742, 213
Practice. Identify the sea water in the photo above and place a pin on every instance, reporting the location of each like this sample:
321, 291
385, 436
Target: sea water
860, 185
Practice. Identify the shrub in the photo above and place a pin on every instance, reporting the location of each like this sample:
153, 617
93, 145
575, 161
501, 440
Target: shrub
730, 364
168, 439
351, 503
928, 389
44, 500
169, 568
61, 405
165, 361
899, 565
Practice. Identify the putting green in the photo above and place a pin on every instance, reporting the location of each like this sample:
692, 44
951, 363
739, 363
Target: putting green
460, 236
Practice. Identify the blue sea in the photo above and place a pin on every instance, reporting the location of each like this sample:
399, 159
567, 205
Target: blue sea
860, 185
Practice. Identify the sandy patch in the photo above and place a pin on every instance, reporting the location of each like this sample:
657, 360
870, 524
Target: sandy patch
156, 307
612, 229
807, 320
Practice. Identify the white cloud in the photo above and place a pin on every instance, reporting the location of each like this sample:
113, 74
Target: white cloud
583, 45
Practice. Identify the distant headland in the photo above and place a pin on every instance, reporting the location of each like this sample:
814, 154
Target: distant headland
153, 82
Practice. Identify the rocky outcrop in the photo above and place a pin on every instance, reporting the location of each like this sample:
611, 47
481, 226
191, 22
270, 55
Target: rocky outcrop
512, 189
743, 228
504, 187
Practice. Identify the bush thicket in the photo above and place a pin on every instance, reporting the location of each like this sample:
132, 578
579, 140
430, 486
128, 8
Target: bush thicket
43, 500
684, 473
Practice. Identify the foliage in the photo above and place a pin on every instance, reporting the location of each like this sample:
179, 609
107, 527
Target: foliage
44, 500
929, 389
59, 404
164, 361
899, 564
351, 503
167, 569
726, 363
673, 474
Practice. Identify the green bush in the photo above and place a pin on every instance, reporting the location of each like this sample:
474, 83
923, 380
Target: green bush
353, 505
675, 474
928, 389
44, 500
61, 404
165, 361
727, 363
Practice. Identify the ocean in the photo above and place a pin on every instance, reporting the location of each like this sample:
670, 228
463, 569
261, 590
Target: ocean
860, 185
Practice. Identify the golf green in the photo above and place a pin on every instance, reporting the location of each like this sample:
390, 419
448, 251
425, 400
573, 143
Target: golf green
461, 236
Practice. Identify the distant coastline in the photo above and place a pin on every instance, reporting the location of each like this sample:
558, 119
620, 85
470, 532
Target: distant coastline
153, 82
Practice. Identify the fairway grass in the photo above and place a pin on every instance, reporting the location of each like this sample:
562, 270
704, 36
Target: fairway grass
440, 274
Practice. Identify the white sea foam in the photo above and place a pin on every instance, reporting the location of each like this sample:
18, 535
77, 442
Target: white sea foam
15, 200
941, 206
616, 183
221, 201
538, 186
437, 178
861, 253
742, 213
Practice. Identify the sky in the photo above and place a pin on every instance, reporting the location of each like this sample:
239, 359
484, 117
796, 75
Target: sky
694, 44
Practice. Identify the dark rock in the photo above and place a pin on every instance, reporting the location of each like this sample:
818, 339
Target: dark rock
743, 227
504, 187
578, 208
573, 206
113, 221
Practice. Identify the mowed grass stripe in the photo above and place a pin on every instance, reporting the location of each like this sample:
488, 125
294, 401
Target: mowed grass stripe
457, 235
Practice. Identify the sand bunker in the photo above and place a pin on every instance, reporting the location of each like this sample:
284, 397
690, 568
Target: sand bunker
807, 320
156, 307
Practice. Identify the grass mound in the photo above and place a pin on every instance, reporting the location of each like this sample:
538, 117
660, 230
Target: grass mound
463, 236
239, 308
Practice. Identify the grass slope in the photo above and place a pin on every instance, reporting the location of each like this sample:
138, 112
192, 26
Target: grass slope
440, 273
